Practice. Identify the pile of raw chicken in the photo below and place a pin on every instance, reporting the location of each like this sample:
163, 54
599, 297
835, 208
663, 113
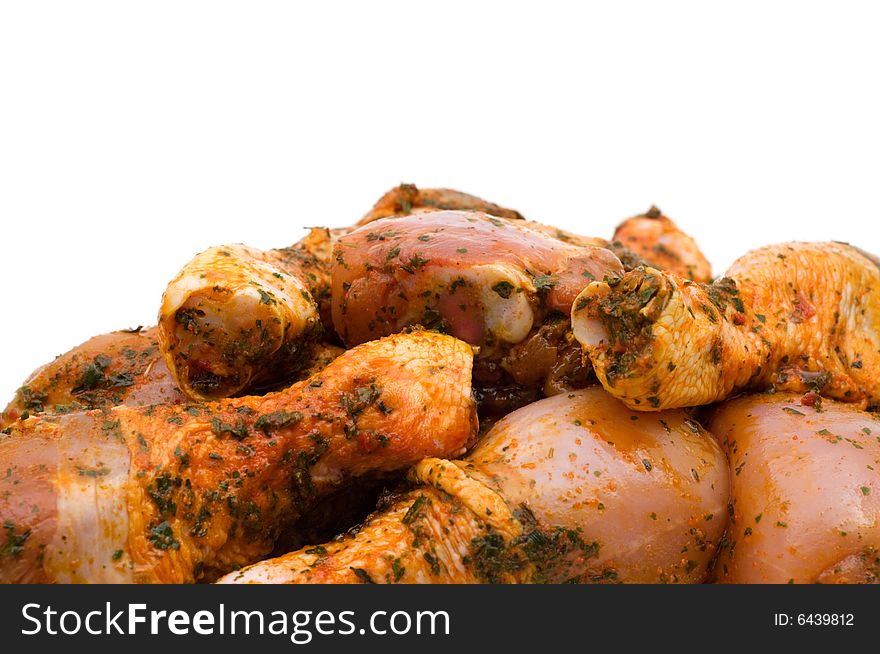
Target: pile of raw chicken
446, 392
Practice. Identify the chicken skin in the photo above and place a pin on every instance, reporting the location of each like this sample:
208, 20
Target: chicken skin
236, 318
662, 245
122, 367
805, 491
483, 279
798, 316
184, 493
406, 199
571, 488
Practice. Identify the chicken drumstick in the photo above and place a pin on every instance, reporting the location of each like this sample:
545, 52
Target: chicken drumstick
183, 493
236, 318
800, 316
122, 367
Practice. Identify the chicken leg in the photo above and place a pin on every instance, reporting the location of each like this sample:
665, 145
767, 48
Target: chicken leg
184, 493
122, 367
799, 316
236, 318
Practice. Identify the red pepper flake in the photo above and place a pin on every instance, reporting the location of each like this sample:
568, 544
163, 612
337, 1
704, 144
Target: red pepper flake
811, 399
803, 310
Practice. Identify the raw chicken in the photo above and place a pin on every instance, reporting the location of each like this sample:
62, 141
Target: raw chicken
406, 199
123, 367
805, 500
663, 245
572, 488
237, 318
798, 316
184, 493
488, 281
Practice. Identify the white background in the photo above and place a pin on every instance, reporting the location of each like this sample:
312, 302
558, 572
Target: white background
133, 135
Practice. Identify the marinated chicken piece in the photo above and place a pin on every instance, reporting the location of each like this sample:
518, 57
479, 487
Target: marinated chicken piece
122, 367
238, 319
492, 282
577, 239
572, 488
184, 493
805, 486
485, 280
798, 316
406, 199
550, 353
663, 245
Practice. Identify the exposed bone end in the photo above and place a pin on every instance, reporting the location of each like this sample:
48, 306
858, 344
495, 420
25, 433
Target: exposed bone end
589, 330
504, 293
231, 319
616, 322
225, 349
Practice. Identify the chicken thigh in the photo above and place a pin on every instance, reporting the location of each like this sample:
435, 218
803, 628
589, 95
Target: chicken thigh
805, 491
488, 281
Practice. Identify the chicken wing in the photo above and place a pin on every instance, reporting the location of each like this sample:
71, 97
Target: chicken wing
236, 318
805, 482
663, 245
183, 493
406, 199
798, 316
572, 488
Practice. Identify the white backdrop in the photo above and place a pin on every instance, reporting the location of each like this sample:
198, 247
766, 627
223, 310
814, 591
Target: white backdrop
133, 135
